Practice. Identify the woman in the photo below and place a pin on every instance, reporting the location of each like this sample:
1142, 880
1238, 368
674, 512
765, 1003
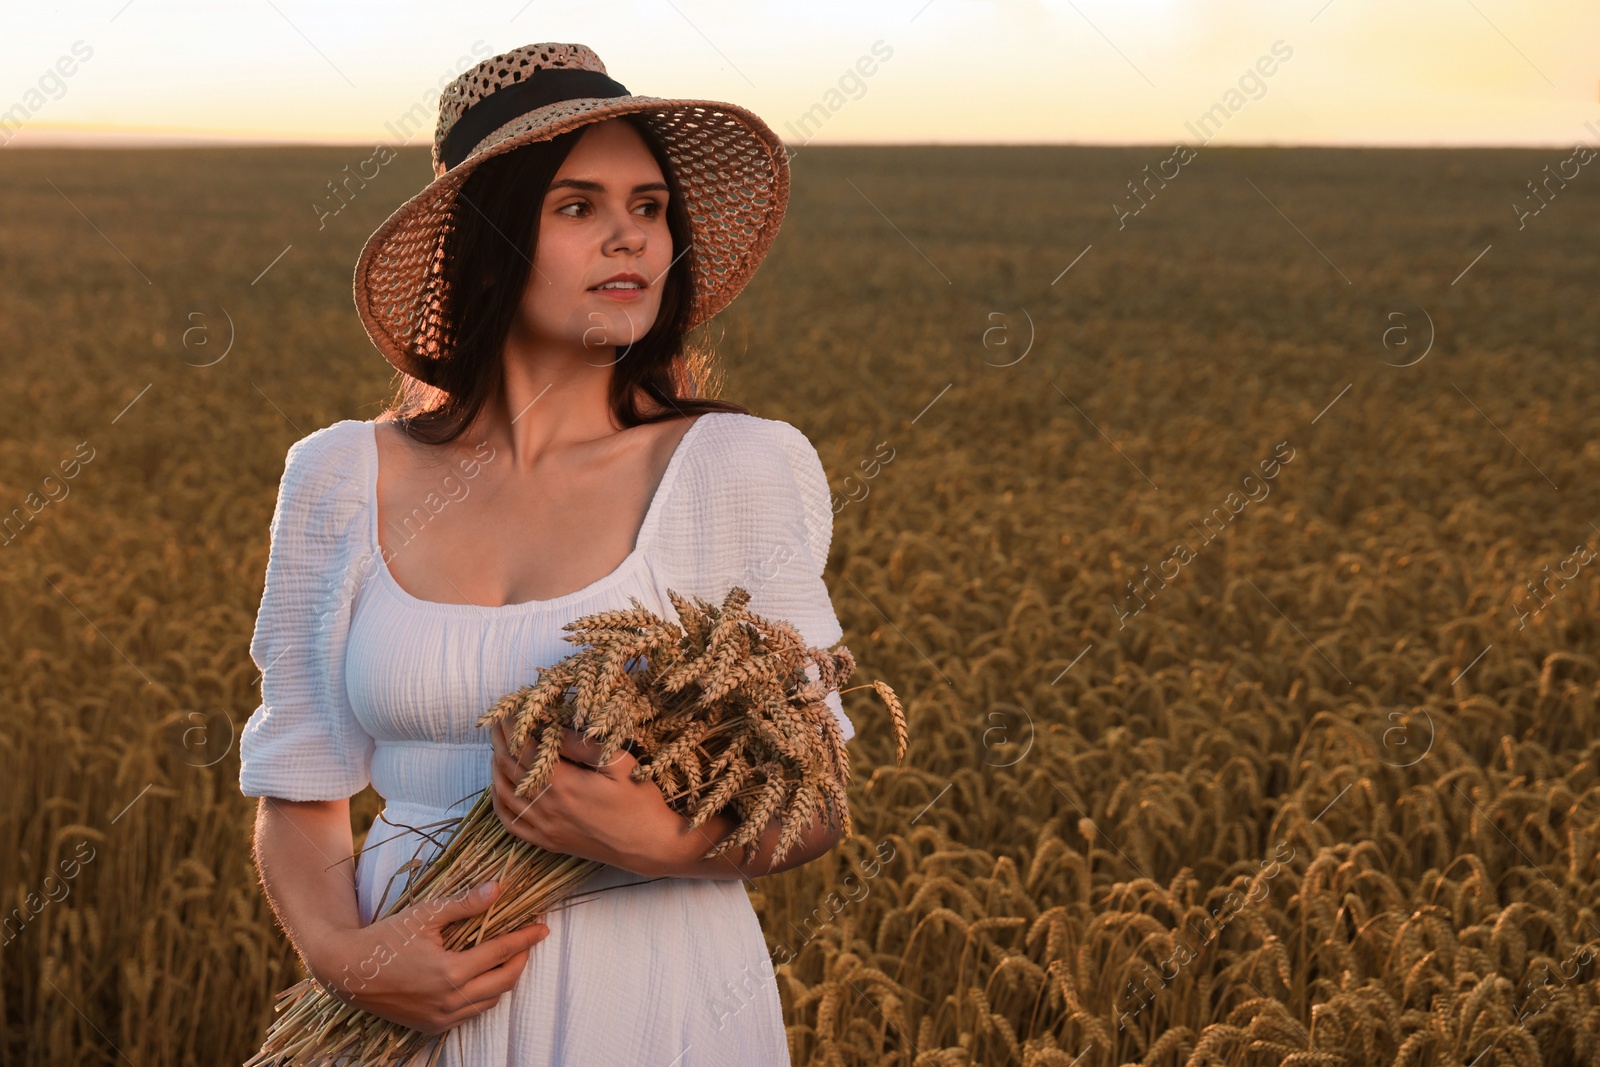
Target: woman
545, 459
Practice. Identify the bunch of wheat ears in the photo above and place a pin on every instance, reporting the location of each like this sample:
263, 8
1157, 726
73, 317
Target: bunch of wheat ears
720, 713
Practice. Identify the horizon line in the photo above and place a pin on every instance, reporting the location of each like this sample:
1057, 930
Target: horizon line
46, 137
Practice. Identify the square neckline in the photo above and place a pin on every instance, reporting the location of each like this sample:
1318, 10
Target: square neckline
641, 539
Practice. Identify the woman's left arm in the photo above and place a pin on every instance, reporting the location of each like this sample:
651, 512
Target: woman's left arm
774, 521
600, 813
683, 854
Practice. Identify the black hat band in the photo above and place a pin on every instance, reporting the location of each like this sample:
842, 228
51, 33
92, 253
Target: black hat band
545, 86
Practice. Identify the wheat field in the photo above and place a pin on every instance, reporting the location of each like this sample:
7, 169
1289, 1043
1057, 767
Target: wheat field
1232, 560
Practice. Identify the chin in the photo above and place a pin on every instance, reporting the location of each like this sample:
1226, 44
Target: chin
625, 329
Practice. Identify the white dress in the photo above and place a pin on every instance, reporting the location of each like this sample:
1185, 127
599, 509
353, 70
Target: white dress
363, 682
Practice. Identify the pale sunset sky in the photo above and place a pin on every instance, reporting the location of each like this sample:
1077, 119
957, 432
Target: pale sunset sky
1342, 72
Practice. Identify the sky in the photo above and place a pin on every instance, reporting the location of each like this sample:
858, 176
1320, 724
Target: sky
1288, 72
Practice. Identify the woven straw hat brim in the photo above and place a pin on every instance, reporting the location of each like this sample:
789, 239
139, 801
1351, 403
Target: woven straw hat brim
733, 171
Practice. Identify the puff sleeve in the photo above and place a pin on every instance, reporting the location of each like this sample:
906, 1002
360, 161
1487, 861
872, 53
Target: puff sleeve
303, 741
763, 519
785, 575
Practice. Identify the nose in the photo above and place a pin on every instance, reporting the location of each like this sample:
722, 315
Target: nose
627, 235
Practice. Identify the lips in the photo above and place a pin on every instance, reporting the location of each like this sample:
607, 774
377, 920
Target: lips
615, 280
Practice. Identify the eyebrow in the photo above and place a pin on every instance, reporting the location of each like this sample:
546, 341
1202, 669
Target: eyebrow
597, 187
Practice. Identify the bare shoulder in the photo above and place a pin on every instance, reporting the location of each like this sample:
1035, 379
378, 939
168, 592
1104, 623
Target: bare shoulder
400, 453
668, 433
394, 446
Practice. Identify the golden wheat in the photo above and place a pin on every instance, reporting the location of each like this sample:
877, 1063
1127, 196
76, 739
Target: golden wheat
978, 569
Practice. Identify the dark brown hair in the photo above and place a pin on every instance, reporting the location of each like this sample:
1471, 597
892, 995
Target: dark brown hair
489, 240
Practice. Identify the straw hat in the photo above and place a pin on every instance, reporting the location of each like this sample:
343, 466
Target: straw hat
733, 171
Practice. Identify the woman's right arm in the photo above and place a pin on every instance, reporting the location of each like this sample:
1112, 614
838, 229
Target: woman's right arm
305, 853
305, 742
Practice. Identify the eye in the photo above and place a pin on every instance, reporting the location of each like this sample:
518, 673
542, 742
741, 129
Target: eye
653, 208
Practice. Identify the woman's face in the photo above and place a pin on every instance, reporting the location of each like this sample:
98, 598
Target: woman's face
604, 215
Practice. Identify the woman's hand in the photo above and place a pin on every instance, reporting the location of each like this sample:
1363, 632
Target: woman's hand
399, 969
593, 812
